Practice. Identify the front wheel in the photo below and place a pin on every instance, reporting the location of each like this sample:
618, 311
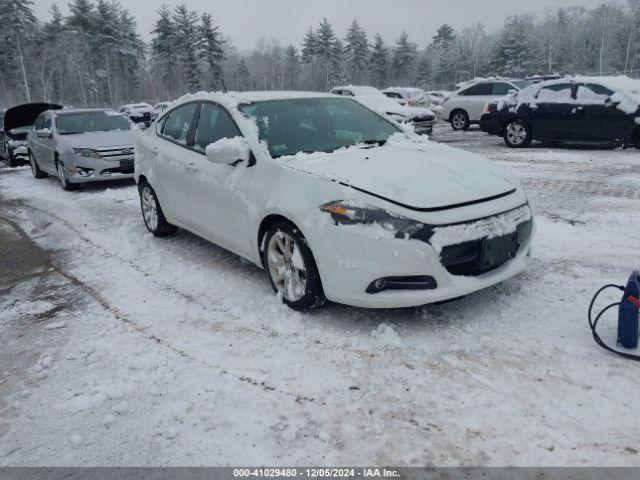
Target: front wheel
152, 214
63, 177
11, 159
517, 134
291, 267
35, 169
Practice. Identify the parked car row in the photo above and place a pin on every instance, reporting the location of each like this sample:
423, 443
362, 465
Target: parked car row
604, 110
416, 97
422, 119
580, 109
299, 182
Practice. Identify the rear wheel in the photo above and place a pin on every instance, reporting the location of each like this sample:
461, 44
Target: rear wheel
517, 134
460, 120
35, 169
152, 214
291, 267
63, 177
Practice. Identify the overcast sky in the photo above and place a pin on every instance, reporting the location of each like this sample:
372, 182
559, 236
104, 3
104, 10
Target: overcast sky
245, 21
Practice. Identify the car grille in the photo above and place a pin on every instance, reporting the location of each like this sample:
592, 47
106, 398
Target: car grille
466, 258
116, 154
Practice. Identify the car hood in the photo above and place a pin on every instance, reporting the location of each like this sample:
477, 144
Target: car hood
385, 105
422, 176
96, 140
25, 115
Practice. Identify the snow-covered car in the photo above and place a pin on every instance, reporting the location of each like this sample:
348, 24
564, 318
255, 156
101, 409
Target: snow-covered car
412, 97
17, 123
421, 118
436, 98
82, 145
332, 199
158, 108
137, 112
465, 107
578, 109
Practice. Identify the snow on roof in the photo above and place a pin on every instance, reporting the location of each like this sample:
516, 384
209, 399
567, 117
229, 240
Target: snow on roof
233, 99
402, 89
360, 90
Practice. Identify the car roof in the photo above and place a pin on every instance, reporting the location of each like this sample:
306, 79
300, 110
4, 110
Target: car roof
233, 99
82, 110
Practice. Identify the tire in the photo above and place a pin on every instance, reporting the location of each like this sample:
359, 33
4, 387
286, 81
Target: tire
517, 133
63, 178
152, 214
291, 268
12, 160
460, 120
35, 169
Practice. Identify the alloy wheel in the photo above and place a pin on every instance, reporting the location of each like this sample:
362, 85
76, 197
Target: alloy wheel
286, 267
62, 175
149, 209
516, 133
459, 121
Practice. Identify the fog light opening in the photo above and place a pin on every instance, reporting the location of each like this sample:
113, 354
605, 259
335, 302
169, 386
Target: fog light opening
418, 282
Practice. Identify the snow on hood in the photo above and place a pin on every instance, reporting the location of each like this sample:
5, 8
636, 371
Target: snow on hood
383, 104
114, 138
408, 170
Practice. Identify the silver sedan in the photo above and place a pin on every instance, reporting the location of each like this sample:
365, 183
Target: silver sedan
82, 145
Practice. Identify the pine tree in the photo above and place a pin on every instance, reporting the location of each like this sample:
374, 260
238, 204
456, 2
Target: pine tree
423, 74
403, 58
212, 51
188, 41
243, 79
356, 53
291, 67
441, 49
163, 46
327, 52
309, 47
511, 55
379, 62
17, 24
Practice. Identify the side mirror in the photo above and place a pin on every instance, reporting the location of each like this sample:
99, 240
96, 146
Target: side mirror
229, 151
513, 92
44, 133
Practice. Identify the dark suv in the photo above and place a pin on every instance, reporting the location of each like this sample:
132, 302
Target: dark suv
602, 110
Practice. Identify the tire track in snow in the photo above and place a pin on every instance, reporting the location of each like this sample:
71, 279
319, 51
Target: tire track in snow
119, 315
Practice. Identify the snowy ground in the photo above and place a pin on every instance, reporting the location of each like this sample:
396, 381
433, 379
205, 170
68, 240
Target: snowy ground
117, 348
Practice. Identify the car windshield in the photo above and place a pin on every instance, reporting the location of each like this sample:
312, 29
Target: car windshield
101, 121
521, 84
317, 125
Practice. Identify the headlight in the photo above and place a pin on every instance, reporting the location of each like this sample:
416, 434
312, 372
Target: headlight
87, 152
344, 213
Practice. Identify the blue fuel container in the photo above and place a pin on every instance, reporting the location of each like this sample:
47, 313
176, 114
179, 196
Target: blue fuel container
628, 315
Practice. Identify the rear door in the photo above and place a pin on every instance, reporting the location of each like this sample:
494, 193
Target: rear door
172, 173
598, 118
47, 151
553, 111
474, 98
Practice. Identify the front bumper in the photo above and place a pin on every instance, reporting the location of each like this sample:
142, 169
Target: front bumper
366, 254
84, 170
424, 127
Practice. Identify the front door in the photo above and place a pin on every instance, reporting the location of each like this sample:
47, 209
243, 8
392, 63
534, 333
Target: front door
598, 118
218, 192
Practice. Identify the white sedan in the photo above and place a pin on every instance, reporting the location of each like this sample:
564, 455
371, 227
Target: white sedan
333, 200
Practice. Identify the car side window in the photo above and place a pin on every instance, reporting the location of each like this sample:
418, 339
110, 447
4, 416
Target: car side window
592, 93
501, 89
178, 123
478, 89
214, 123
47, 122
39, 124
556, 93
